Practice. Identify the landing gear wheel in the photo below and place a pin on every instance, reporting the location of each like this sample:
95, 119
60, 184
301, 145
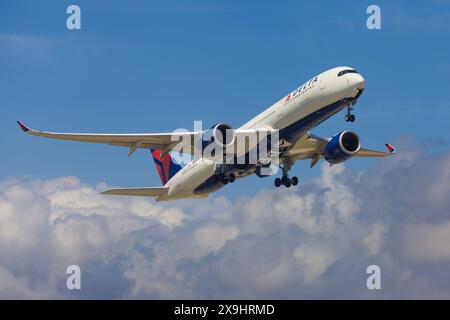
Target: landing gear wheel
288, 183
277, 182
294, 181
283, 180
231, 177
225, 179
350, 117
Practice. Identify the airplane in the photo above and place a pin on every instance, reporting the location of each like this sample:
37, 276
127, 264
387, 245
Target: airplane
292, 117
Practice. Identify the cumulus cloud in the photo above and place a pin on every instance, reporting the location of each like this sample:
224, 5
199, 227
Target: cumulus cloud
314, 259
314, 241
428, 242
375, 239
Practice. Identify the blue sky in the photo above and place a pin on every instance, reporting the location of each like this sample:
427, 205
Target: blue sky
154, 66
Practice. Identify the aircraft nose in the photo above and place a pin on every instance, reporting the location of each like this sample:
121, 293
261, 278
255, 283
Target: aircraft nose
357, 81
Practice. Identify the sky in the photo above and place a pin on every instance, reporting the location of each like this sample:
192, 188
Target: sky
156, 66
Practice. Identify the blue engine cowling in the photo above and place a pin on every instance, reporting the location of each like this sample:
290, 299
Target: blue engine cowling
221, 134
342, 147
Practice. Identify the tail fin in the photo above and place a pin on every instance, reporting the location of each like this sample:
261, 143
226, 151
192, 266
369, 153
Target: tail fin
166, 167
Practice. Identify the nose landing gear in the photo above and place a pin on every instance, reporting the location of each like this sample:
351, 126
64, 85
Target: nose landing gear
349, 117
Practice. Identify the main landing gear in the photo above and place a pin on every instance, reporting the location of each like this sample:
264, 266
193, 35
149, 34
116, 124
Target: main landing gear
349, 117
285, 180
228, 178
224, 177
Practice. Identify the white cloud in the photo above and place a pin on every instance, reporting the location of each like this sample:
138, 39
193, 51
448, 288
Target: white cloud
375, 239
314, 259
311, 242
428, 242
212, 237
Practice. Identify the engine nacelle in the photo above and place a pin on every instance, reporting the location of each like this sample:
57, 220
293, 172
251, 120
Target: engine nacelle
342, 147
221, 134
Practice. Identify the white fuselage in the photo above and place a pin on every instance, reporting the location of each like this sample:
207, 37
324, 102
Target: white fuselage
294, 114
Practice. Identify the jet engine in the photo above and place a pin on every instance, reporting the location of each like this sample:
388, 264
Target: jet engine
221, 134
342, 147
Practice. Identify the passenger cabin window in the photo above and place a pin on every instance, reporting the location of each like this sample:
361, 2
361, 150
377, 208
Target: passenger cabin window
341, 73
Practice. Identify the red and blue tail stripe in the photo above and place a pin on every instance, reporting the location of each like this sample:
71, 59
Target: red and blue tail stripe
166, 167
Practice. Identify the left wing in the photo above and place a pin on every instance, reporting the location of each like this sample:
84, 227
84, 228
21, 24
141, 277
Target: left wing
183, 141
164, 141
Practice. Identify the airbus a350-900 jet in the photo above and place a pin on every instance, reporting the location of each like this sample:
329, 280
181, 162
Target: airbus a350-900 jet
288, 121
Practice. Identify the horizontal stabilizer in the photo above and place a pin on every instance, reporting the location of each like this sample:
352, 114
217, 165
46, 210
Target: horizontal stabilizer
144, 192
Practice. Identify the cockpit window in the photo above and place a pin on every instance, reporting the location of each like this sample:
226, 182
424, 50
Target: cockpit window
341, 73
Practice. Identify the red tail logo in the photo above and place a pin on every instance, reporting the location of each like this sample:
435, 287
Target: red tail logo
166, 167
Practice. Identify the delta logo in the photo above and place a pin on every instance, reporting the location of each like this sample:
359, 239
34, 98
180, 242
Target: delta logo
299, 89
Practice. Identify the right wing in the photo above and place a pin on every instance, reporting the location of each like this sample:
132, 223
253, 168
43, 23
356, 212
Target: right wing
164, 141
146, 192
374, 153
311, 146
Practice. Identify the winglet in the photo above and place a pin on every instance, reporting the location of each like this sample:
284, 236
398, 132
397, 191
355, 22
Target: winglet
390, 148
23, 127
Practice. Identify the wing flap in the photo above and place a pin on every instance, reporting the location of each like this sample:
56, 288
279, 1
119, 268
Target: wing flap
144, 192
308, 146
